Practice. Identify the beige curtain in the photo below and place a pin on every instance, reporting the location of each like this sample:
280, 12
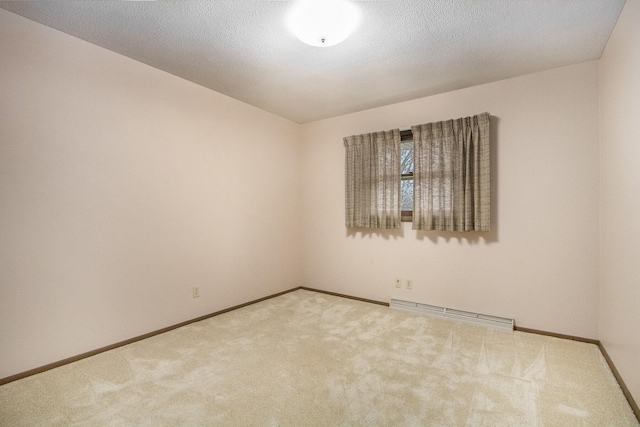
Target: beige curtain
372, 169
451, 184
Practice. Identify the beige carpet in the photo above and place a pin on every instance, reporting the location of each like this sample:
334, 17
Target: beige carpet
309, 359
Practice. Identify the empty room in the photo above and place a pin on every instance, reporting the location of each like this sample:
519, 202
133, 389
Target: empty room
319, 212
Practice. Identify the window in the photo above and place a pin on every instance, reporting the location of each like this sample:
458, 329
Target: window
436, 175
406, 170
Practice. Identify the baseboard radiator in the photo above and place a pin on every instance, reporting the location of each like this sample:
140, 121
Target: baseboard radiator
449, 313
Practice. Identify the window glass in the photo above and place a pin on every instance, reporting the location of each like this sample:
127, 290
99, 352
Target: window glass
406, 184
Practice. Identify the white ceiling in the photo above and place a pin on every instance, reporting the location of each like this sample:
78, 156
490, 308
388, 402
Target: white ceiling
402, 50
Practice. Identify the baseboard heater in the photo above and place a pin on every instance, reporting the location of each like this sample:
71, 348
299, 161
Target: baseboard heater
449, 313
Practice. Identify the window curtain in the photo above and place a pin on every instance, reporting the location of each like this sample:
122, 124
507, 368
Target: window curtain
451, 187
372, 169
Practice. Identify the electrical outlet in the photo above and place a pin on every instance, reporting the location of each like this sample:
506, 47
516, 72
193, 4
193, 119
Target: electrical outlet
409, 284
196, 291
398, 283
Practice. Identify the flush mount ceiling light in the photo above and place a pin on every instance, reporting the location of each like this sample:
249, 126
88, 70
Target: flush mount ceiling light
323, 22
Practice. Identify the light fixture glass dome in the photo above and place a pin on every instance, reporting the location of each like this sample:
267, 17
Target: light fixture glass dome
323, 22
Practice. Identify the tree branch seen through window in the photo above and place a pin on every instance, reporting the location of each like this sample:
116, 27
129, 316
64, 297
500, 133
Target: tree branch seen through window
406, 170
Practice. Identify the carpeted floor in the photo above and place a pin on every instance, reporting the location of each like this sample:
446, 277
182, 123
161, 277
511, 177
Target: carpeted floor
309, 359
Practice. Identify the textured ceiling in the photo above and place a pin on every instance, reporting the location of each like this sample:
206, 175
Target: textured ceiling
402, 50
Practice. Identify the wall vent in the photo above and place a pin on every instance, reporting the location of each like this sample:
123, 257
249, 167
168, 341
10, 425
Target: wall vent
449, 313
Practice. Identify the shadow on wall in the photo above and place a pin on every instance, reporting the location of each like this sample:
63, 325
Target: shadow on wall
376, 232
471, 237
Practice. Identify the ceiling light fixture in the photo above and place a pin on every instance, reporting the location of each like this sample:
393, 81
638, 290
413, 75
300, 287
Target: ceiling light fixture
323, 22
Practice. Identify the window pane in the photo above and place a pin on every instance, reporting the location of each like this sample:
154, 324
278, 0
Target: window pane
406, 185
406, 157
406, 194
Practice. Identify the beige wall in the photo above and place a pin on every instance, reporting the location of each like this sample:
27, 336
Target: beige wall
121, 187
540, 262
620, 197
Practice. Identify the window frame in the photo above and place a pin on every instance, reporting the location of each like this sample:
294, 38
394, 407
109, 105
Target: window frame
406, 136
